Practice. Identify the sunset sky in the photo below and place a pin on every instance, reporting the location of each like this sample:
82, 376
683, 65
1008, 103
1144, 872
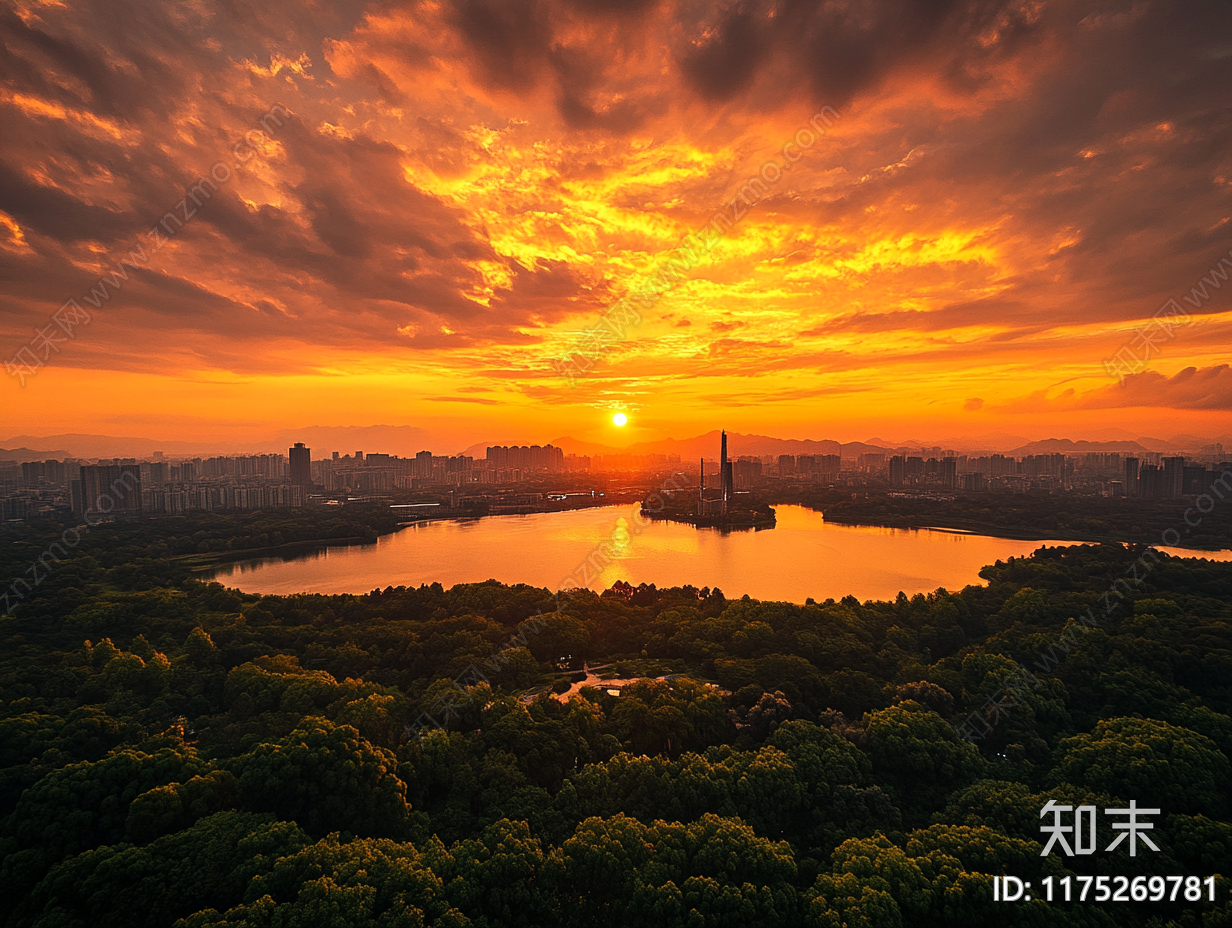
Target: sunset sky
451, 193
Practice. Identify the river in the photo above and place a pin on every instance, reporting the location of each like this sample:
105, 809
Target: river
803, 556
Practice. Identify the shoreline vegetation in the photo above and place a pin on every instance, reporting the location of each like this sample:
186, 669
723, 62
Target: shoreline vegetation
996, 531
743, 519
297, 532
1057, 519
176, 753
1035, 517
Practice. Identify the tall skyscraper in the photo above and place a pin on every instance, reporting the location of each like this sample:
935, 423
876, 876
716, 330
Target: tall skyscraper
726, 478
898, 470
111, 488
1131, 476
1174, 477
301, 465
1151, 482
948, 473
158, 474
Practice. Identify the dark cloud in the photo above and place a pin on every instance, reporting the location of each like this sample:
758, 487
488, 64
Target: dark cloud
615, 8
724, 63
350, 254
57, 213
510, 39
841, 50
1192, 388
578, 52
141, 80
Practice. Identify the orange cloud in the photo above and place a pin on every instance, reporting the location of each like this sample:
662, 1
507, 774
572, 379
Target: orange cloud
460, 188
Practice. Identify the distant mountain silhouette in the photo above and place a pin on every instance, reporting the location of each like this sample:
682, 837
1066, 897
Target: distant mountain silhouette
738, 444
1067, 446
406, 441
392, 439
25, 454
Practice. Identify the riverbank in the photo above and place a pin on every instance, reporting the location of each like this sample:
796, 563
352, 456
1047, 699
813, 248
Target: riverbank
802, 558
998, 530
1199, 524
215, 559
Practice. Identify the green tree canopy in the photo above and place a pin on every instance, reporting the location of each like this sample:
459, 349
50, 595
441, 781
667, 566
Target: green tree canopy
325, 777
1157, 764
919, 756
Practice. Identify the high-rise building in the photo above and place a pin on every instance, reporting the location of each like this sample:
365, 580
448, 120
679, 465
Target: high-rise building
158, 473
534, 458
301, 465
746, 472
35, 473
1131, 476
725, 471
1194, 476
111, 488
871, 463
974, 481
898, 470
1151, 482
948, 473
1173, 477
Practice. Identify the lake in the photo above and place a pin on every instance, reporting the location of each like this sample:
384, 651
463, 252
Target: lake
803, 556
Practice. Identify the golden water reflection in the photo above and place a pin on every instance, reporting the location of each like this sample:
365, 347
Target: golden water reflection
803, 556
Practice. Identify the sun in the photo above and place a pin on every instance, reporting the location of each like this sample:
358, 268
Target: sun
620, 420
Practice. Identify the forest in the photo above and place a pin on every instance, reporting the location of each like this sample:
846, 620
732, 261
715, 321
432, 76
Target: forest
177, 753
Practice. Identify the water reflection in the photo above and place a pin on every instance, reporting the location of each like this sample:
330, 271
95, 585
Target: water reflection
803, 556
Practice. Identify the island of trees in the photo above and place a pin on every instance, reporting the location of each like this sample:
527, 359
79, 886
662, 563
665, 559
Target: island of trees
176, 753
742, 515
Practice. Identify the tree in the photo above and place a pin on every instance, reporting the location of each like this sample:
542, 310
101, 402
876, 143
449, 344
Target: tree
919, 756
365, 883
1157, 764
208, 865
169, 808
715, 871
82, 806
496, 877
767, 714
325, 777
929, 695
558, 635
200, 648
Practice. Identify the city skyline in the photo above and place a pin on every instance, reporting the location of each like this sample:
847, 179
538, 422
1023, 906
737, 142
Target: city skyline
408, 441
538, 478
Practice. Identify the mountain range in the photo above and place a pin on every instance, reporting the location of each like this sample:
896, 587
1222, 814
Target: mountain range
707, 446
406, 441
